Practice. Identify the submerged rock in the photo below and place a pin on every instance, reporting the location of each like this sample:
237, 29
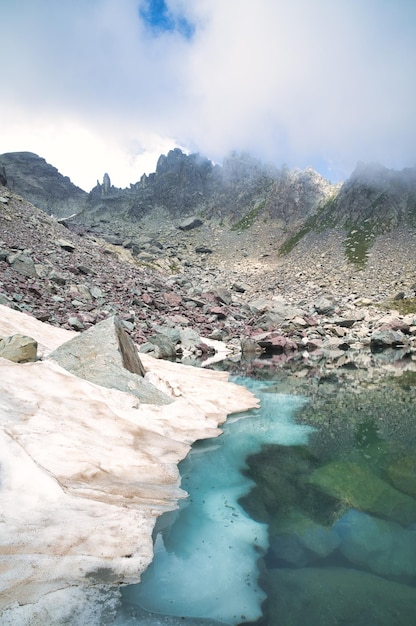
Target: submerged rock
301, 540
361, 489
337, 596
402, 475
383, 547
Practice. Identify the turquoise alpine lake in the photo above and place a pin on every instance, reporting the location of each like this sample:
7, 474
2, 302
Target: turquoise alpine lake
289, 524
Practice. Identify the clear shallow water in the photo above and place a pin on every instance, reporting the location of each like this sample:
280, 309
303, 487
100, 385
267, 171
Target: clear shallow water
206, 561
313, 528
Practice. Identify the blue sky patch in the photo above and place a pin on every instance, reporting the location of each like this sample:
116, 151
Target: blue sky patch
158, 19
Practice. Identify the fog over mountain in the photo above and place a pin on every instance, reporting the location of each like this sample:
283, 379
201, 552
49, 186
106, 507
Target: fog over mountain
318, 84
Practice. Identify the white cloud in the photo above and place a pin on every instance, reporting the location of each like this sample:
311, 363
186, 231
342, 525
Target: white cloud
90, 89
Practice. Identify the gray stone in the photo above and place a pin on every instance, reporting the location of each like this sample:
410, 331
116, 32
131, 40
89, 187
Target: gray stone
262, 305
239, 287
344, 322
84, 269
189, 338
387, 338
190, 223
75, 323
22, 264
217, 334
269, 320
18, 348
249, 346
96, 292
42, 270
166, 347
105, 354
4, 299
129, 326
222, 295
66, 245
57, 278
323, 306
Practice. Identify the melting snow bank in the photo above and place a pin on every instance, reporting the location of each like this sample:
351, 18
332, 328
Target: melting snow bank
206, 561
85, 472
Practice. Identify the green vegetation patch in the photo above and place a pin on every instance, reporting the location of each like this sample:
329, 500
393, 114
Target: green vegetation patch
404, 306
358, 242
248, 220
406, 381
323, 219
290, 243
411, 209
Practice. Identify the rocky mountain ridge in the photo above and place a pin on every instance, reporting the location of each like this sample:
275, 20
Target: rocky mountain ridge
182, 185
243, 195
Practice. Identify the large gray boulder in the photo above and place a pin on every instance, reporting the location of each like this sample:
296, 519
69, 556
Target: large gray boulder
105, 354
363, 490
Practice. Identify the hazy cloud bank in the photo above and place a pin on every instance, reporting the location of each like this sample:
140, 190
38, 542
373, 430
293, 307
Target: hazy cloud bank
89, 86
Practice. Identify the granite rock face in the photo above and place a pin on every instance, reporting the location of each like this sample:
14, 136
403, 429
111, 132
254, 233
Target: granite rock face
240, 195
377, 193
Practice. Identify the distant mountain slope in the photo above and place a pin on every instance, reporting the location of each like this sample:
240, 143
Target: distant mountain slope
32, 177
240, 189
372, 202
